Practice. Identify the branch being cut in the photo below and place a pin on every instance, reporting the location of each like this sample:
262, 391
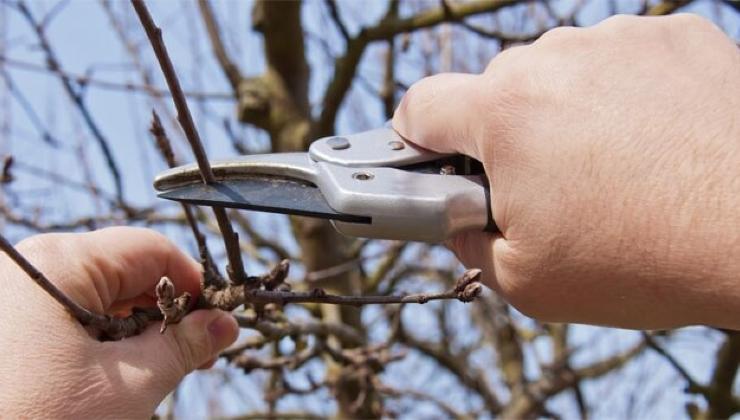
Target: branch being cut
235, 269
211, 275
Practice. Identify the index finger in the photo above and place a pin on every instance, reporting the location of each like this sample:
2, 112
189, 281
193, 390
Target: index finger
112, 264
439, 113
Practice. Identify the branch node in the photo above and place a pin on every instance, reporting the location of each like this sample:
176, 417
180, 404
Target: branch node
173, 309
468, 277
276, 276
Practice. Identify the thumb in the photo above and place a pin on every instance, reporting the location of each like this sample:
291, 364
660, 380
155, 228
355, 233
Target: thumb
152, 364
437, 113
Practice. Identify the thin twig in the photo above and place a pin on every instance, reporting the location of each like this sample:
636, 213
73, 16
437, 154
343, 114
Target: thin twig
26, 106
388, 27
148, 216
466, 290
230, 69
211, 275
334, 13
76, 98
6, 173
88, 81
235, 269
275, 330
692, 383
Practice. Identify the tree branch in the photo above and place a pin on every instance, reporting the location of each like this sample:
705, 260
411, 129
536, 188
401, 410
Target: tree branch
466, 290
471, 379
666, 7
211, 275
230, 69
722, 402
28, 109
279, 329
692, 383
235, 269
390, 26
88, 81
334, 13
527, 403
76, 97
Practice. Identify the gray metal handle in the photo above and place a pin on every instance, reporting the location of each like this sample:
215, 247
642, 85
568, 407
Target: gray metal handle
405, 205
359, 175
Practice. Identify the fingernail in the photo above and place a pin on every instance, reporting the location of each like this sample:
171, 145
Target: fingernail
223, 331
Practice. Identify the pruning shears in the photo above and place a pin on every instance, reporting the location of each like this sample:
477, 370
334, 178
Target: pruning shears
371, 184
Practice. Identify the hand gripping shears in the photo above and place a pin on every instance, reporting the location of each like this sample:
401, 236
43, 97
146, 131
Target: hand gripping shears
372, 184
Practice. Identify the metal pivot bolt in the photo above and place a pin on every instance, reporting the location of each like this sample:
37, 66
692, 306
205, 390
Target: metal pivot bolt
338, 143
396, 145
363, 176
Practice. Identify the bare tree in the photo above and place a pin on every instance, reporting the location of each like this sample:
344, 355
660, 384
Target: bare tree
300, 72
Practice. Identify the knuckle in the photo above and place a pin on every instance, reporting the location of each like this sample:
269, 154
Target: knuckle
512, 83
414, 97
151, 234
505, 60
620, 21
505, 70
561, 35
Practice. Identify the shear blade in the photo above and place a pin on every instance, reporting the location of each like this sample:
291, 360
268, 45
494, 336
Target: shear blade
263, 193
